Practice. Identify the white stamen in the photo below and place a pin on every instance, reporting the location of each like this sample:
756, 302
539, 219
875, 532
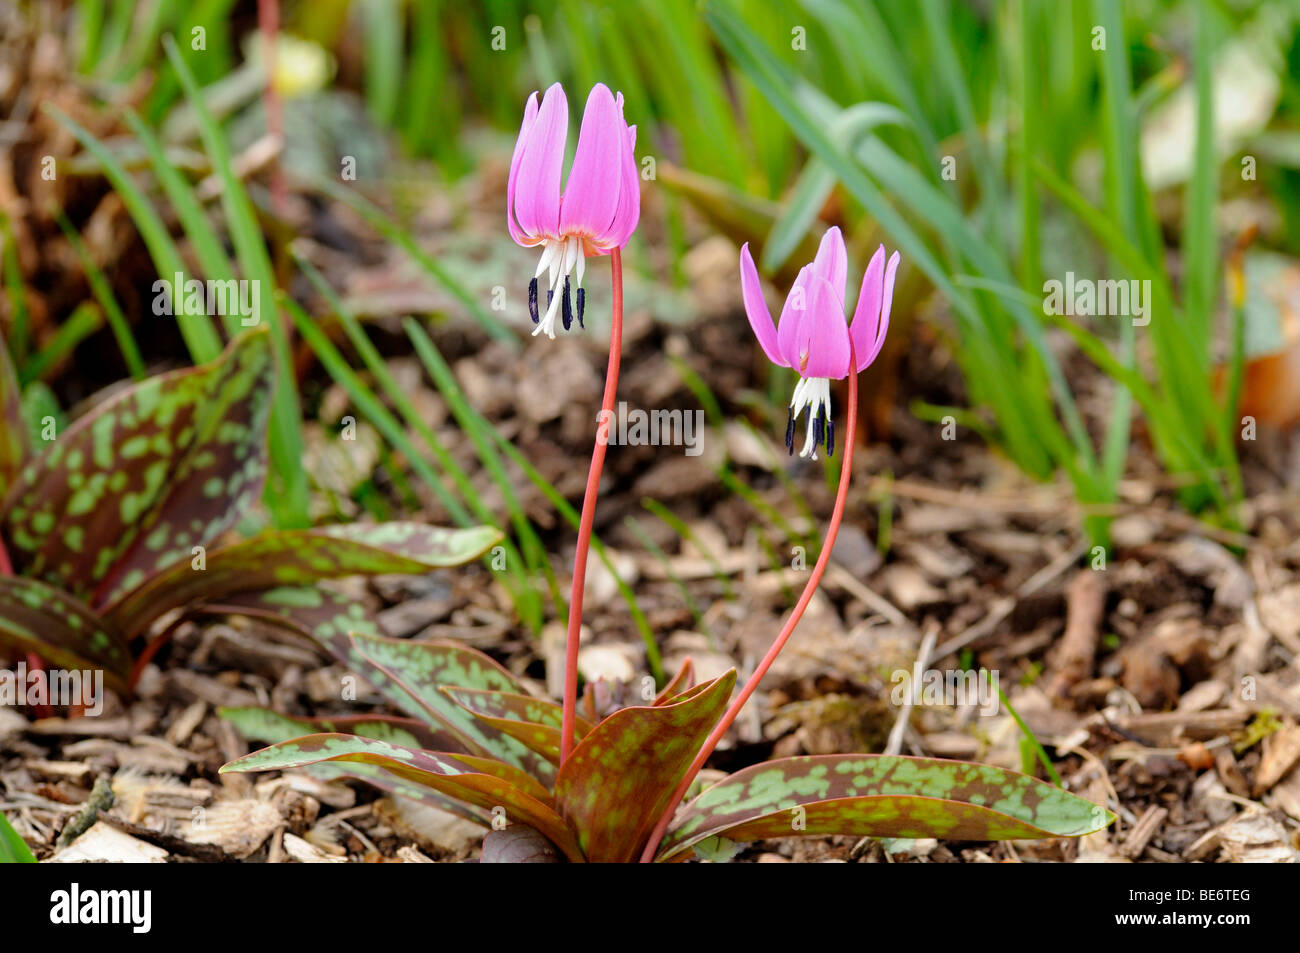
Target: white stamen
570, 253
814, 393
547, 324
548, 253
560, 257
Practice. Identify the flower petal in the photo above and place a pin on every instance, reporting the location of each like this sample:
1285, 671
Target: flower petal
760, 318
530, 116
823, 338
885, 302
832, 262
629, 196
592, 191
537, 189
866, 316
793, 313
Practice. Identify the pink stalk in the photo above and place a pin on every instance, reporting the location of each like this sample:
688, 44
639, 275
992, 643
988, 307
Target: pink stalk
832, 530
268, 20
589, 509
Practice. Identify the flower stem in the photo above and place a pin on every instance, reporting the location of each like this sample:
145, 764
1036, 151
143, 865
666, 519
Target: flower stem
828, 544
589, 508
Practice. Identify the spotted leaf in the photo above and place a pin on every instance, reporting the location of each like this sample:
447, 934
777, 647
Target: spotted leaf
326, 616
880, 796
618, 781
36, 617
535, 722
423, 669
476, 781
262, 724
376, 777
166, 465
410, 674
13, 428
680, 683
299, 557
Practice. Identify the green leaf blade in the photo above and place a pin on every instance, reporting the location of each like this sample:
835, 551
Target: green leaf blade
465, 780
301, 557
533, 722
881, 796
133, 486
39, 618
618, 781
420, 670
13, 849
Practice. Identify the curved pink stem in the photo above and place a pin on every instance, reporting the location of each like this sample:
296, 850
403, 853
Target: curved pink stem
589, 509
832, 530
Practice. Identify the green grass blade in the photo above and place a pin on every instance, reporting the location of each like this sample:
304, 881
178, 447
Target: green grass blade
13, 849
394, 233
200, 334
287, 487
103, 293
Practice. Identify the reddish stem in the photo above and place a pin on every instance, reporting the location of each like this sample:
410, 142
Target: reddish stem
6, 567
589, 507
268, 19
37, 664
832, 530
150, 651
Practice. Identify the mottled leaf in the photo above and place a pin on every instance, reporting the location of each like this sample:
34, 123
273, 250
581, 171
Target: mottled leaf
37, 617
327, 617
880, 796
166, 465
680, 683
376, 777
475, 781
262, 724
423, 669
300, 557
618, 781
533, 721
409, 673
321, 613
13, 429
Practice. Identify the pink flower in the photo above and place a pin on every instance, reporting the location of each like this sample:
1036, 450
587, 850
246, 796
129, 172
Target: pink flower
812, 336
597, 210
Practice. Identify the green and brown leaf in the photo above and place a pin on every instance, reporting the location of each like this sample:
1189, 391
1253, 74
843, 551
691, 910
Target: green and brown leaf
36, 617
534, 722
880, 796
617, 782
297, 558
271, 727
169, 464
418, 671
476, 781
